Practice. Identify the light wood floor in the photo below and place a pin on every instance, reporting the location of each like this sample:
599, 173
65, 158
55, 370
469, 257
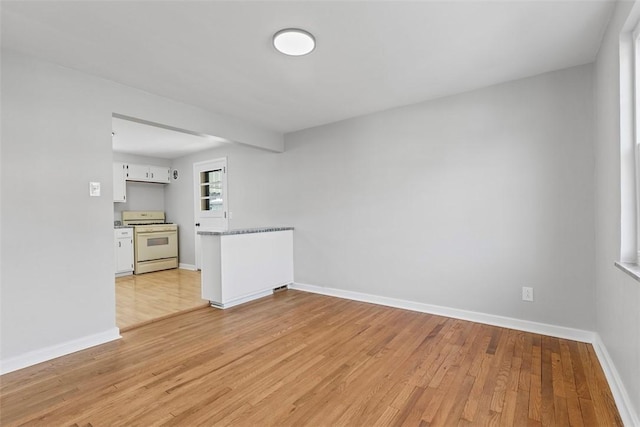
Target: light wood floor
302, 359
148, 297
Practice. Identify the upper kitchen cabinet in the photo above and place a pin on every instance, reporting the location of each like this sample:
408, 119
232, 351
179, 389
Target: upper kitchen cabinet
148, 173
119, 183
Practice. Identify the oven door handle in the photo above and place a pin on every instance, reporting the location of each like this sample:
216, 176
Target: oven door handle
156, 233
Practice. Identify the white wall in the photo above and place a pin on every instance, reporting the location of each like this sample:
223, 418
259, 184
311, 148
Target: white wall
57, 257
456, 202
253, 176
57, 281
141, 196
617, 300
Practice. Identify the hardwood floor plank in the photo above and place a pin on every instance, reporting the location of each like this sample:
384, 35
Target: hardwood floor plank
457, 401
485, 412
573, 402
387, 416
603, 402
376, 393
588, 412
502, 378
408, 406
560, 402
582, 387
471, 406
453, 402
521, 415
370, 392
547, 414
535, 384
294, 359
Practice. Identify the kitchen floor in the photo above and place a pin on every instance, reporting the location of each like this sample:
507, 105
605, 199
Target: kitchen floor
144, 298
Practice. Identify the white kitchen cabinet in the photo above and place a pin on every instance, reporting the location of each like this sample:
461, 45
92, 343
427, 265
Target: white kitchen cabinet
137, 172
160, 174
148, 173
123, 246
119, 182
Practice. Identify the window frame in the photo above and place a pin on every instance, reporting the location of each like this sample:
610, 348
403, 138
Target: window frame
634, 111
629, 150
629, 122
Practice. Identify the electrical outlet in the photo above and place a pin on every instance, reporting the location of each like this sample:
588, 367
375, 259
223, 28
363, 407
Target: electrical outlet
527, 294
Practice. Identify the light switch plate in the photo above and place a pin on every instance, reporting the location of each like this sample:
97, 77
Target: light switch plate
94, 189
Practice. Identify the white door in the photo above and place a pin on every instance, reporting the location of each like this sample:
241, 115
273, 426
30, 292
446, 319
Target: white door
137, 172
119, 183
123, 249
125, 255
210, 199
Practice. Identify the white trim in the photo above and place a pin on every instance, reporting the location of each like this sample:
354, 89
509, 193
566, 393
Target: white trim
44, 354
184, 266
126, 273
632, 270
620, 395
628, 195
629, 54
242, 300
635, 82
473, 316
219, 223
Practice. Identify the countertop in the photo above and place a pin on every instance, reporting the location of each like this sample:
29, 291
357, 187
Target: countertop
244, 231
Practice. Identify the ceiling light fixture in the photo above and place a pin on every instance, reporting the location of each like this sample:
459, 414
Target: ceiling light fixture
294, 42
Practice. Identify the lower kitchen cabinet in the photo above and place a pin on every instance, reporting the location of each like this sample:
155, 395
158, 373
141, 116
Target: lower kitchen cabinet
123, 245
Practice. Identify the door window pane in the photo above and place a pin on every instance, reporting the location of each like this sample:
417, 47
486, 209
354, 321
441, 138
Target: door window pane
211, 197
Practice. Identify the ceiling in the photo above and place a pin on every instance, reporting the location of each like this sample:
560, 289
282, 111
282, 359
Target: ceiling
370, 55
142, 139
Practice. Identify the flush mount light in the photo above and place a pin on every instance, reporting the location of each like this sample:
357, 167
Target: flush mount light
294, 41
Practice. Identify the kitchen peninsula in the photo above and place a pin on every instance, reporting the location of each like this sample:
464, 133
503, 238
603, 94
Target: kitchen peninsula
245, 264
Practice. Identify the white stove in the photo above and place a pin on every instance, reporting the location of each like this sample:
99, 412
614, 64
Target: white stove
155, 241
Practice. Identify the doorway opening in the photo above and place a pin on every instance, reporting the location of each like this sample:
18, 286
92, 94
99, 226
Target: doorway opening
152, 172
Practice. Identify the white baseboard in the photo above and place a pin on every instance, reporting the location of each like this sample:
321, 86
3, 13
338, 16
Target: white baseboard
183, 266
242, 300
620, 395
42, 355
473, 316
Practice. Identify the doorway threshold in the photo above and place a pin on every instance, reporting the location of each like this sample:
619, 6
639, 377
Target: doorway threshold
166, 316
